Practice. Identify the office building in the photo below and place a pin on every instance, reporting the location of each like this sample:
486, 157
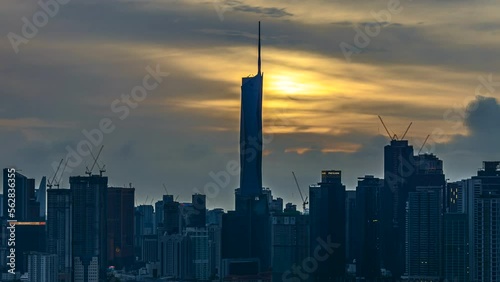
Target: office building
290, 241
483, 197
120, 227
89, 227
456, 247
327, 213
368, 262
59, 228
399, 168
424, 237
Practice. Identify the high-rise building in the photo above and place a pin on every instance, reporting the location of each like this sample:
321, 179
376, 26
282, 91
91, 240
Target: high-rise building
352, 232
214, 227
399, 169
120, 227
41, 197
89, 227
42, 267
290, 241
368, 221
424, 213
327, 213
456, 247
246, 231
483, 208
150, 248
59, 229
251, 133
143, 225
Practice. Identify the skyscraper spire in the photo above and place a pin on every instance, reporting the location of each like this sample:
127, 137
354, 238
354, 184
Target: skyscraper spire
259, 64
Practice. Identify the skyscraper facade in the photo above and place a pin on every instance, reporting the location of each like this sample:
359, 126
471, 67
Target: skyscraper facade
368, 219
483, 197
251, 133
89, 227
246, 231
59, 228
120, 227
424, 215
399, 169
327, 214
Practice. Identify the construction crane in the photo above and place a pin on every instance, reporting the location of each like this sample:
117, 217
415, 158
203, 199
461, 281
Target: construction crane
394, 136
101, 169
304, 201
60, 177
425, 141
387, 130
408, 128
165, 187
89, 171
50, 182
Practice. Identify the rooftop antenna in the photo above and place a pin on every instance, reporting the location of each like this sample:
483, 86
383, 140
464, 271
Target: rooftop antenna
259, 63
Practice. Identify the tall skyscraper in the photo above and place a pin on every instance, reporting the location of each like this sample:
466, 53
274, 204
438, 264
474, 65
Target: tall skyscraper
120, 227
483, 200
251, 133
368, 220
327, 213
246, 231
424, 214
89, 220
399, 169
456, 247
59, 229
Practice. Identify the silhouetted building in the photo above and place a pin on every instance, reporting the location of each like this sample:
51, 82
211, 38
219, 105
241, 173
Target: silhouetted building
150, 248
327, 213
290, 241
143, 225
368, 219
399, 168
120, 227
59, 229
246, 231
483, 197
424, 223
89, 224
41, 197
42, 267
352, 229
456, 247
171, 216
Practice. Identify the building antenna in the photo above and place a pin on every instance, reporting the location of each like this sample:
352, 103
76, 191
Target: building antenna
259, 63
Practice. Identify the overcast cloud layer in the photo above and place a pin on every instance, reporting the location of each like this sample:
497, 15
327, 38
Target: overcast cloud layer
426, 65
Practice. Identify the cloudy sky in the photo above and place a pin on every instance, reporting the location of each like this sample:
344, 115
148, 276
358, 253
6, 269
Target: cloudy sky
330, 67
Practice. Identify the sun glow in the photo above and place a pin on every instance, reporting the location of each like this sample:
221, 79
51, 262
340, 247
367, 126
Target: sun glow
287, 85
